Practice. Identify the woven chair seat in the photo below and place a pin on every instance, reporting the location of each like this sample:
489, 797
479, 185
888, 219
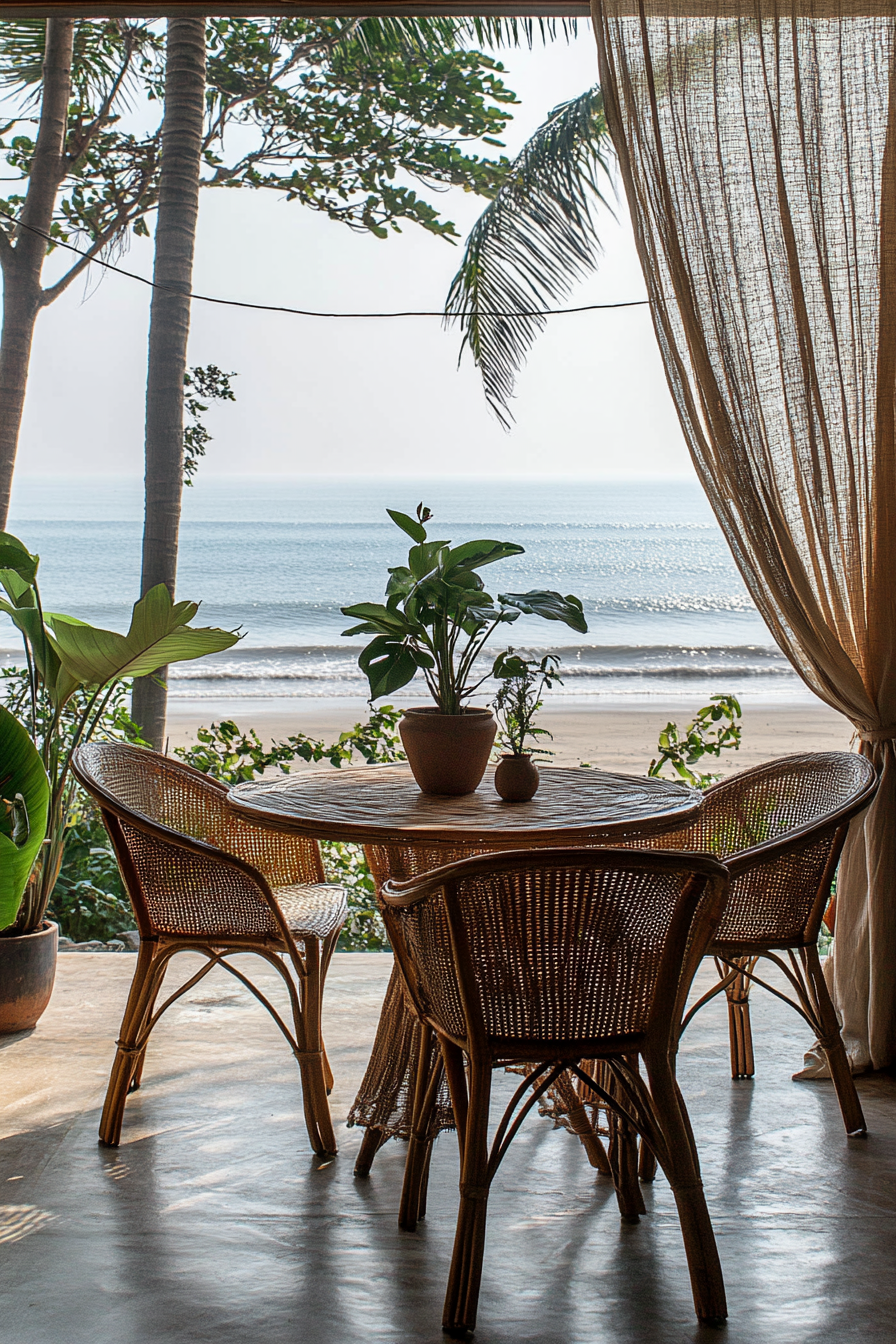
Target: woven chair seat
313, 911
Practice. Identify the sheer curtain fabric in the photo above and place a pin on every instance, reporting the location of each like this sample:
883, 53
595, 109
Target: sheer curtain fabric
757, 144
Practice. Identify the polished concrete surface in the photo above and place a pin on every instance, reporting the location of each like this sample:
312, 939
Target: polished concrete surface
212, 1221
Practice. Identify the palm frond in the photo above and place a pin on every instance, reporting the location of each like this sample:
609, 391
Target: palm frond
99, 49
440, 33
531, 243
22, 44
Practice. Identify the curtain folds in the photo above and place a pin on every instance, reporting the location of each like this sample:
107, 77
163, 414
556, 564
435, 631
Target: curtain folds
757, 143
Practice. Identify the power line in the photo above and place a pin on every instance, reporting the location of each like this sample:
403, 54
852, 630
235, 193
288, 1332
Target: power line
305, 312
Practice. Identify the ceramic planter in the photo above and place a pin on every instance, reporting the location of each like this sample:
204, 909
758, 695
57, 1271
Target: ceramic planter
27, 971
516, 778
447, 753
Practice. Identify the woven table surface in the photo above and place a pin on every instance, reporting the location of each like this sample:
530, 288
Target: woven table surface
370, 804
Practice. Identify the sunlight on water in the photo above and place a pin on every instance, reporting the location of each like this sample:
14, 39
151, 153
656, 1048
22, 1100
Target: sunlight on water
667, 610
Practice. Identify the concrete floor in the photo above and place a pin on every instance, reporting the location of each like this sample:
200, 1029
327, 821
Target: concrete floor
212, 1222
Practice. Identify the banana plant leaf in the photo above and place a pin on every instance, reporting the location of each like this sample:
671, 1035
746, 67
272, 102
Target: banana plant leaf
15, 556
159, 634
549, 605
24, 805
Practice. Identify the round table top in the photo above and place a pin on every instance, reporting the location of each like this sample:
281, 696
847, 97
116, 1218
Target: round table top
383, 805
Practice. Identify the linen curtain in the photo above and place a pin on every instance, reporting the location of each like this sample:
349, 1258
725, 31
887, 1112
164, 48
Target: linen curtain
757, 144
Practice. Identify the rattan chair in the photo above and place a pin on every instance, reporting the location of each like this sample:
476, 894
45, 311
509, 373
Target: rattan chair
201, 879
545, 959
779, 830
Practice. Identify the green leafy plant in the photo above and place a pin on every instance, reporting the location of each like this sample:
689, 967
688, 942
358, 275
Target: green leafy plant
437, 615
519, 698
228, 754
74, 666
24, 804
202, 384
364, 930
89, 900
713, 729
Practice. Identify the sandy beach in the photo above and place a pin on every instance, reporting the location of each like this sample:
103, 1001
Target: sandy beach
608, 736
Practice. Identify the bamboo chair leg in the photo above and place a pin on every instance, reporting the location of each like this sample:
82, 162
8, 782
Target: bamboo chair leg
646, 1163
683, 1171
141, 997
831, 1041
318, 1120
740, 1032
624, 1164
462, 1297
327, 950
140, 1060
371, 1143
416, 1168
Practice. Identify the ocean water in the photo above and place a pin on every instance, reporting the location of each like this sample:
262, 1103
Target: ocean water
667, 612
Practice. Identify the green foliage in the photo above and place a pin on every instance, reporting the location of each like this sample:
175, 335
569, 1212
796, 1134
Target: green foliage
438, 616
89, 900
326, 111
713, 729
532, 242
203, 384
24, 803
73, 670
226, 753
364, 930
523, 682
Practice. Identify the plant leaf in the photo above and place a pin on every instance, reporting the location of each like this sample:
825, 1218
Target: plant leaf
15, 555
550, 605
388, 664
159, 634
414, 529
475, 554
24, 785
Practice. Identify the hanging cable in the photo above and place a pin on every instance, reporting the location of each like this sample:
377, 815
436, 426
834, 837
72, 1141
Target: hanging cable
305, 312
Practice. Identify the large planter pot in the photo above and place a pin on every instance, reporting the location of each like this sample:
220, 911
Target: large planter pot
448, 753
516, 778
27, 971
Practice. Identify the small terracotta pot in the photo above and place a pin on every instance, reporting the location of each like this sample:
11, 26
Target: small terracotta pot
516, 778
27, 972
448, 753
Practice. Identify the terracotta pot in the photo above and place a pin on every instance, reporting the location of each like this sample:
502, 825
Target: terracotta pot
27, 971
516, 778
448, 753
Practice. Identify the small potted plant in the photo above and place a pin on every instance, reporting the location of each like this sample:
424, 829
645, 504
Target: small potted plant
436, 619
523, 682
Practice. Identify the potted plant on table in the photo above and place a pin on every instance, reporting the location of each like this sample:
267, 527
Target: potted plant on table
523, 683
436, 620
73, 669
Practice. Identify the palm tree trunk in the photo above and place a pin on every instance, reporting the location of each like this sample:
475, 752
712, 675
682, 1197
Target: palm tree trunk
169, 327
22, 262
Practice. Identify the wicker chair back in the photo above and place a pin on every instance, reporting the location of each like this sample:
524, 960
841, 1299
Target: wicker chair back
154, 807
557, 946
779, 830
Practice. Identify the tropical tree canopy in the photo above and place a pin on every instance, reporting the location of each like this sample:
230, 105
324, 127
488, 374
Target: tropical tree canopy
327, 111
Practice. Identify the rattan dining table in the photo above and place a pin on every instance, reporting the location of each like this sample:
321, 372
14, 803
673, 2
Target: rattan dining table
406, 833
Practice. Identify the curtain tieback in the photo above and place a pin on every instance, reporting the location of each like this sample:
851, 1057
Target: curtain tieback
887, 734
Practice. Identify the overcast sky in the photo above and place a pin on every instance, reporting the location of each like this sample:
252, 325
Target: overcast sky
332, 398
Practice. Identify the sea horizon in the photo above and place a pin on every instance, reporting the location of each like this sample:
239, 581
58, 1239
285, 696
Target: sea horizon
276, 557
